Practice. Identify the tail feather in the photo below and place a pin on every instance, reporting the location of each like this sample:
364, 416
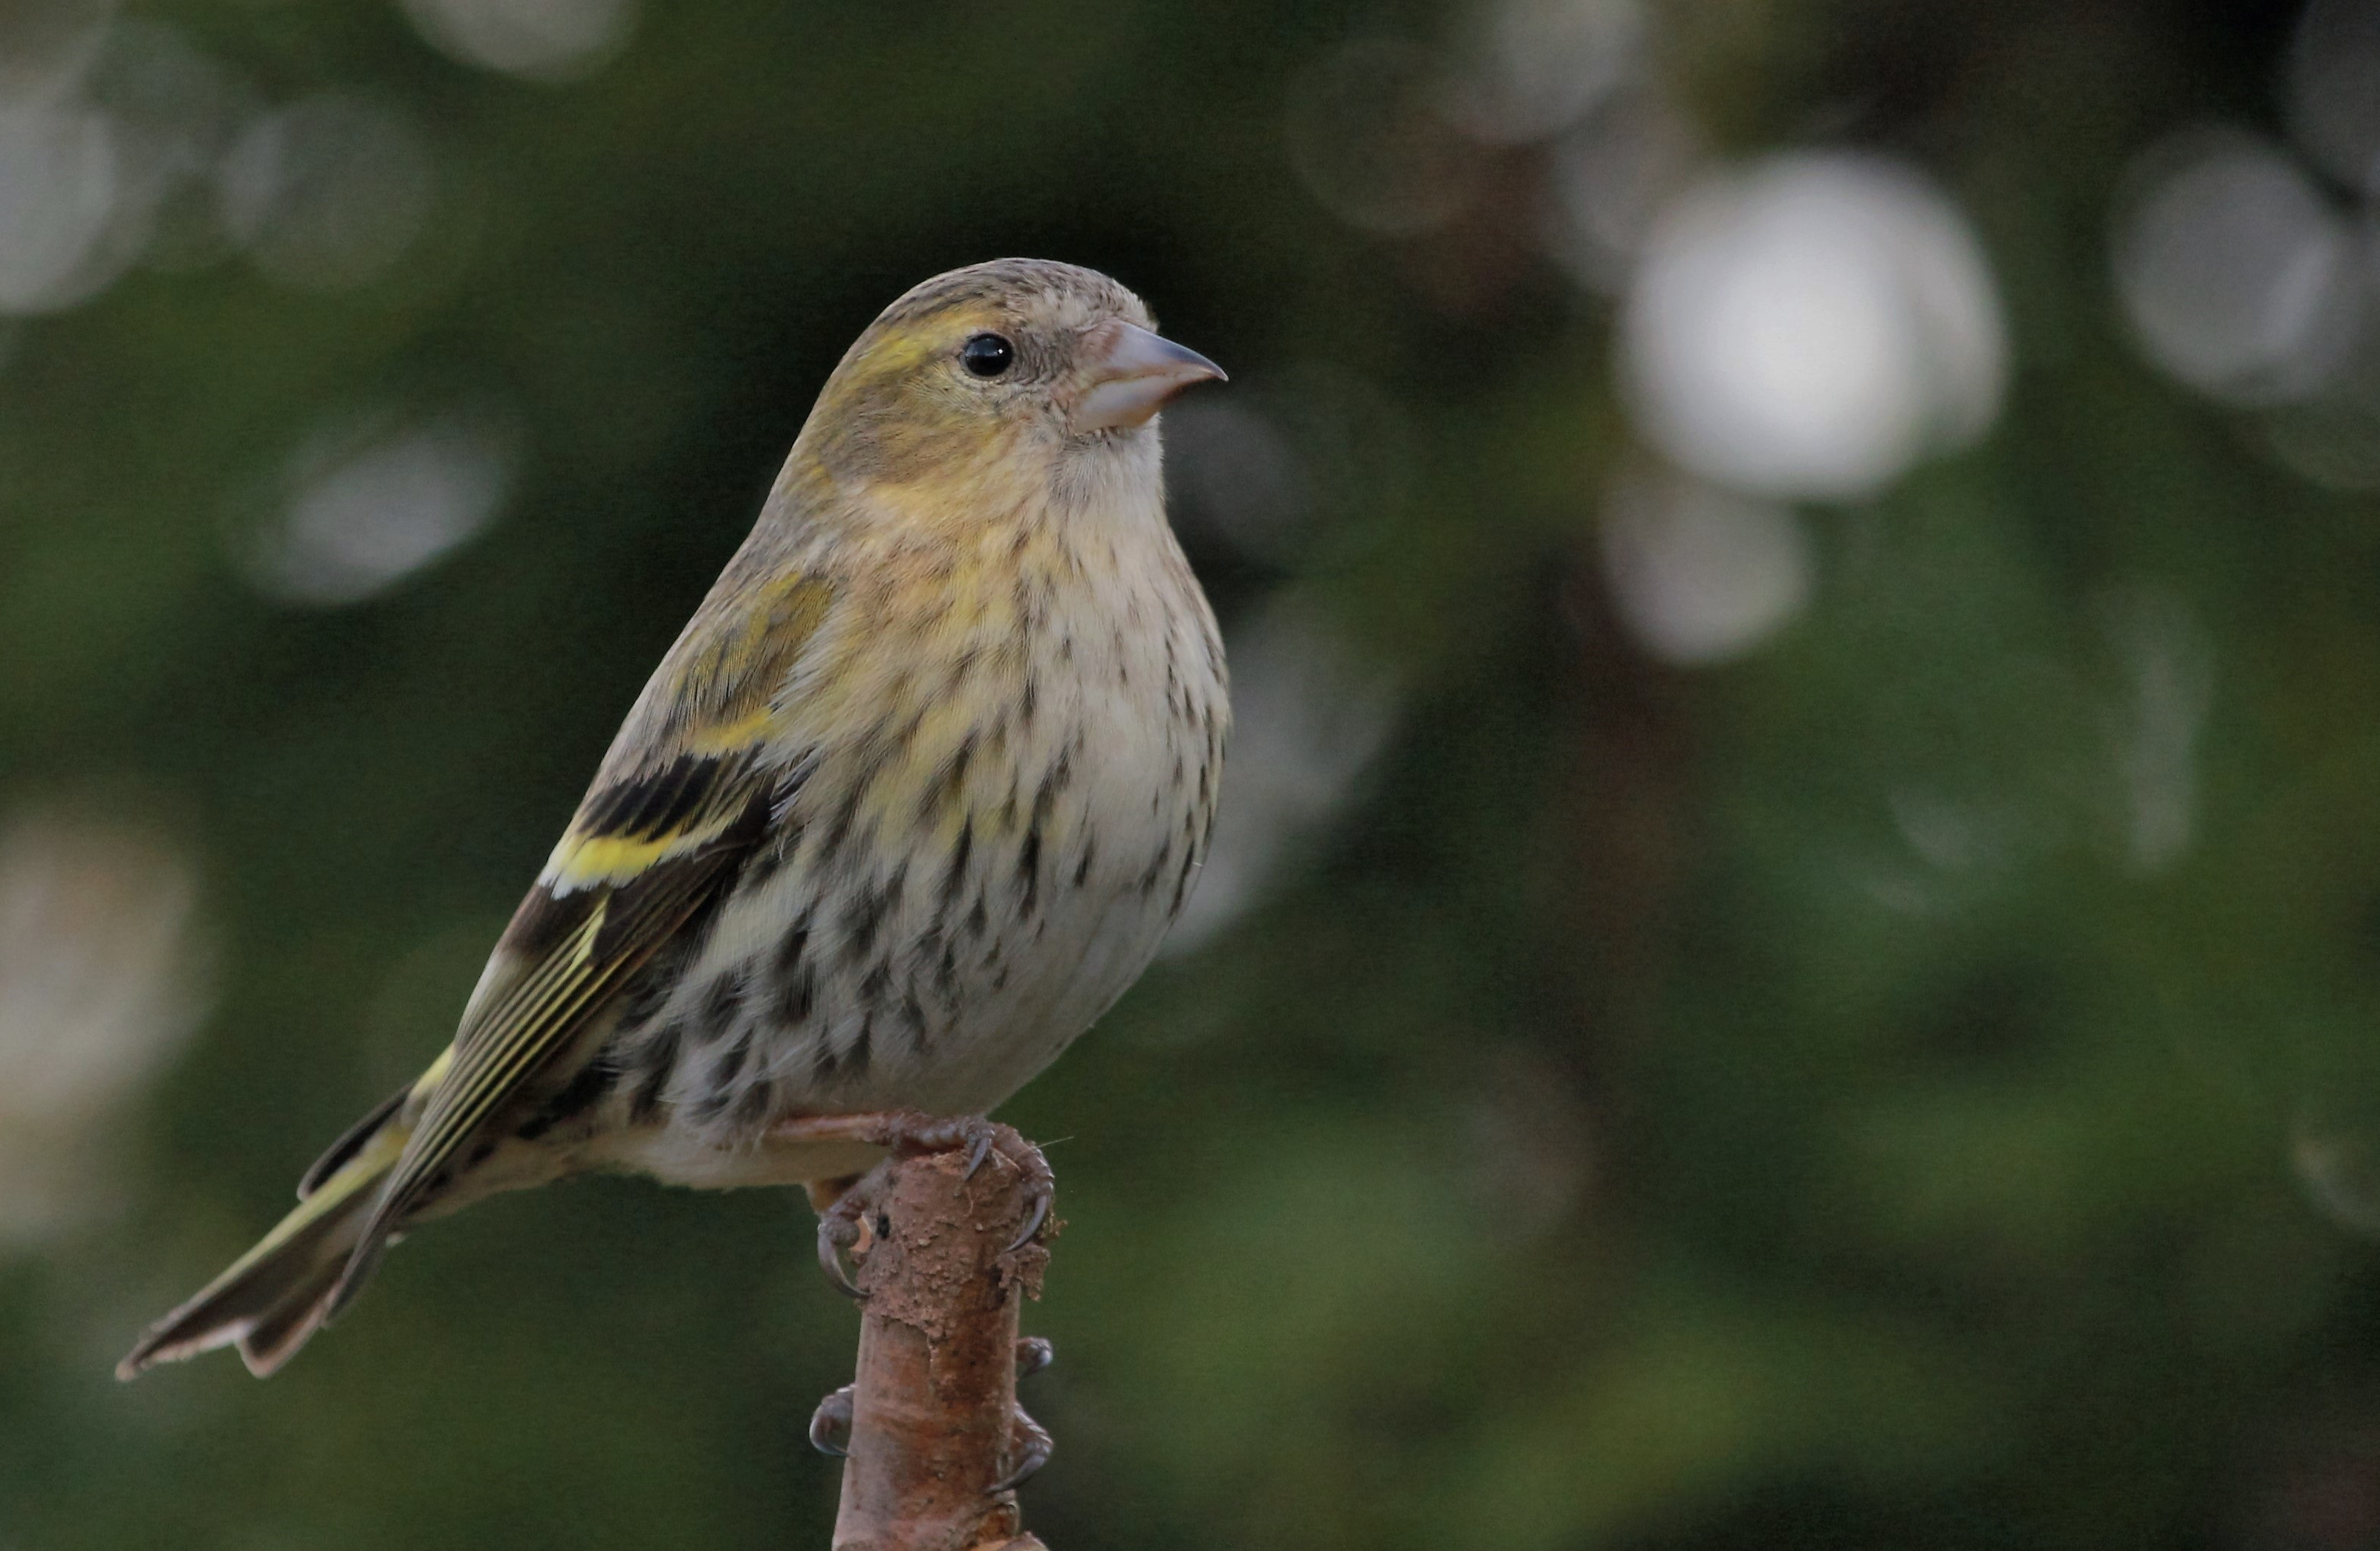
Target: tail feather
277, 1334
277, 1294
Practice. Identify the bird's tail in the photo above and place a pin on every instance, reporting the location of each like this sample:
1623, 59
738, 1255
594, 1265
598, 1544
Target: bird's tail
277, 1294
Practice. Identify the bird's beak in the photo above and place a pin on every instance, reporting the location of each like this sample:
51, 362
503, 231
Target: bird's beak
1131, 373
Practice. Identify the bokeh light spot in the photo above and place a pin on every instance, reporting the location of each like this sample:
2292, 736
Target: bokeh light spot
2234, 270
100, 982
536, 39
1538, 66
1811, 327
328, 192
58, 193
46, 45
1368, 136
1700, 574
368, 510
2333, 88
1609, 178
2334, 1151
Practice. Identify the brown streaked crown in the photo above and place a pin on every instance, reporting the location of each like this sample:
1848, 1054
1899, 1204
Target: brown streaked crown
1066, 293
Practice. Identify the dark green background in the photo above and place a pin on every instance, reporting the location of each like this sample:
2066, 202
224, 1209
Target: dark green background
1566, 1149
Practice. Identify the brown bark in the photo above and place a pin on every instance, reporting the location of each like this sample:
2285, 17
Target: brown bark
935, 1392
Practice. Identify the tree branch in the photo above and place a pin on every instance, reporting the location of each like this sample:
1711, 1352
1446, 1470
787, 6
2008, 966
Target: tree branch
934, 1424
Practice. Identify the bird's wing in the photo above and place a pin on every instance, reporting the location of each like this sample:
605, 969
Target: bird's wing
681, 800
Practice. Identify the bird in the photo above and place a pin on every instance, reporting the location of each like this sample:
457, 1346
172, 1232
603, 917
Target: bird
909, 803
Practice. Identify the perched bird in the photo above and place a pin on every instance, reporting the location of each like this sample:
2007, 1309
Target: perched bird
909, 803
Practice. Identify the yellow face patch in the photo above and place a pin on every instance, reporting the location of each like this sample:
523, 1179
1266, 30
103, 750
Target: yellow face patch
901, 411
915, 347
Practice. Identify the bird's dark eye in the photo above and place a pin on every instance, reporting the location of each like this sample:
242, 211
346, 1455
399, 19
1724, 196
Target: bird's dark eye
987, 355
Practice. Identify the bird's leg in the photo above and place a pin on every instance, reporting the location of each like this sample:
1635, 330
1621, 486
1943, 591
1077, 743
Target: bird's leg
1029, 1443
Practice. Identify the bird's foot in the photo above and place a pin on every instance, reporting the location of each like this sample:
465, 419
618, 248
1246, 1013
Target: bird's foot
1029, 1444
914, 1134
831, 1425
1033, 1354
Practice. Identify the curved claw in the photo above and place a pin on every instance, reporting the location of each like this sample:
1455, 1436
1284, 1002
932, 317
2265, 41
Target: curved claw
831, 1425
1033, 1445
977, 1150
1033, 1354
837, 1233
1036, 1212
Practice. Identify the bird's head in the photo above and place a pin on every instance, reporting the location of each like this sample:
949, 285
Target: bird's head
1020, 363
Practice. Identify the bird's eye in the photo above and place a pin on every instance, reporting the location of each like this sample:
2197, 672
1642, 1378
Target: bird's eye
986, 354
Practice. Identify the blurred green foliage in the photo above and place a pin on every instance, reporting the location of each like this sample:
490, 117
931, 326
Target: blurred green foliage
1610, 1128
